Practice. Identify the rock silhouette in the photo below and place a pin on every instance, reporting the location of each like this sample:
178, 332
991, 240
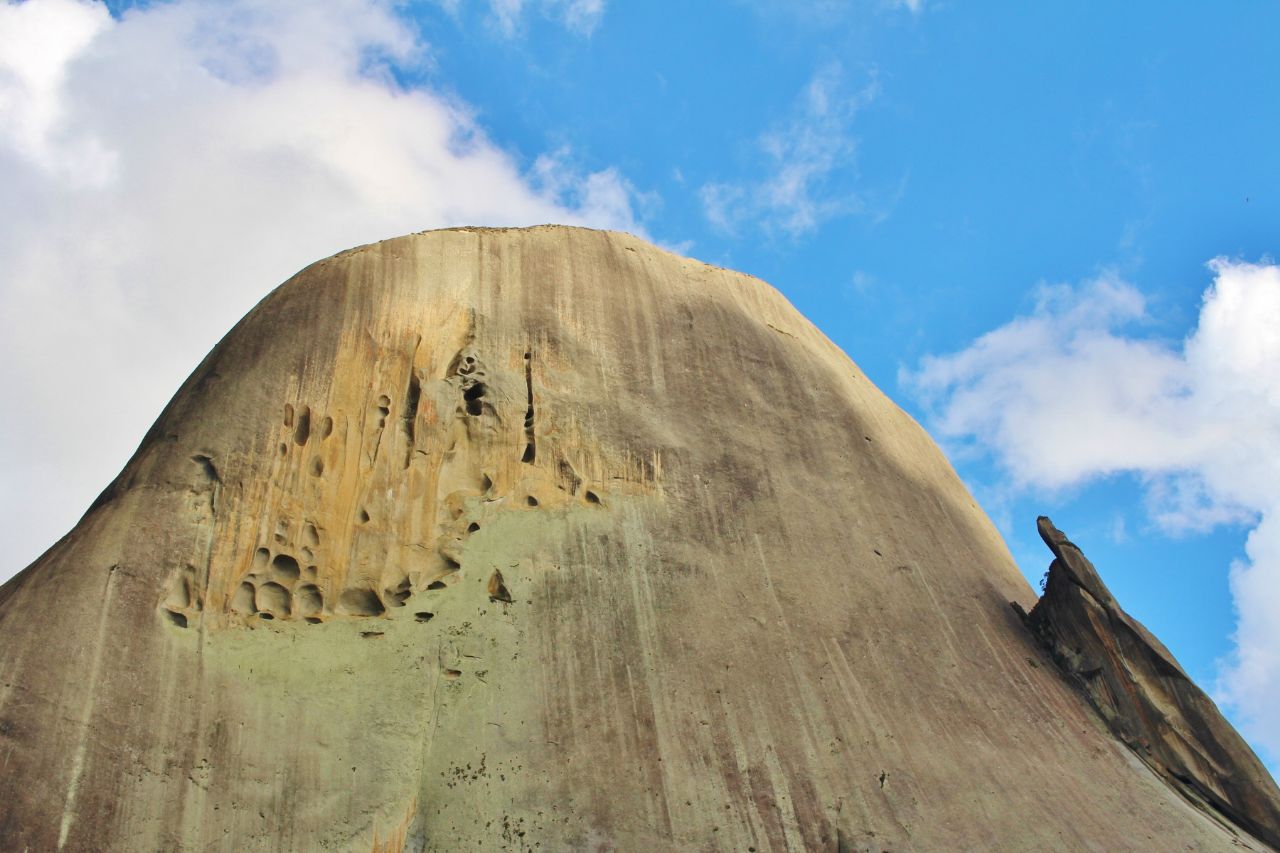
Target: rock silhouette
550, 539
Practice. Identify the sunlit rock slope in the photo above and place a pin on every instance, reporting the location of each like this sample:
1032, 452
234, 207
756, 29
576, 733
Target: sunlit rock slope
544, 539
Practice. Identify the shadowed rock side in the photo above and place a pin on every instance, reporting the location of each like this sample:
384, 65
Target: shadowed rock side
543, 538
1145, 697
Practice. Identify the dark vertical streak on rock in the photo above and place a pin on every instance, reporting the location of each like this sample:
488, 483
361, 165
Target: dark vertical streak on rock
530, 441
410, 417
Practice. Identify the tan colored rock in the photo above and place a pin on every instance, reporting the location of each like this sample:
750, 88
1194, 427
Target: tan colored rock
504, 539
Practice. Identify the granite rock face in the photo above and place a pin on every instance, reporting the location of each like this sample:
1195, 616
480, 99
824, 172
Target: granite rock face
1145, 697
544, 538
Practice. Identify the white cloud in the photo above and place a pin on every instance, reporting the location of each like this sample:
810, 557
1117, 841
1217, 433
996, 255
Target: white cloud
40, 39
830, 13
604, 196
808, 160
162, 171
1072, 393
725, 205
581, 16
508, 16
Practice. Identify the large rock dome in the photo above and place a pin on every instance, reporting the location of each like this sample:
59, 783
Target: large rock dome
545, 538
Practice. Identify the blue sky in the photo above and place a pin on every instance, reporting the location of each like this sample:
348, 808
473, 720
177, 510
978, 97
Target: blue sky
1005, 213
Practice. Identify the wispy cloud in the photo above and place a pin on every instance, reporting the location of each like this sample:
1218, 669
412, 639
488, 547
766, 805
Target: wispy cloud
509, 17
1073, 392
163, 170
808, 161
829, 13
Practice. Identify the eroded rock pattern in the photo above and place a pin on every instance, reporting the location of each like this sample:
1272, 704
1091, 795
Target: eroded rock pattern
362, 512
543, 539
1145, 697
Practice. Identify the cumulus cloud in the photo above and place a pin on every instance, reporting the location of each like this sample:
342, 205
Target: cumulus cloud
1074, 391
808, 161
162, 170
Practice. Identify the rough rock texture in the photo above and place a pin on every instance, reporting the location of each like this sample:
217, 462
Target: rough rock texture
1145, 697
545, 538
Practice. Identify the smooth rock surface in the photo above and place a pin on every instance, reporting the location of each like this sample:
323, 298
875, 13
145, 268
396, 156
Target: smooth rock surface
545, 538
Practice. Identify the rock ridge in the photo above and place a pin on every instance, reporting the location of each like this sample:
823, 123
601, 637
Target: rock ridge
1144, 695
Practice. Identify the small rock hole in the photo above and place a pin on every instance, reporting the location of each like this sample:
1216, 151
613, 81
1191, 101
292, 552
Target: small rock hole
243, 599
285, 568
592, 497
273, 600
179, 619
531, 500
360, 602
473, 397
302, 426
310, 600
435, 585
424, 616
497, 588
206, 466
396, 596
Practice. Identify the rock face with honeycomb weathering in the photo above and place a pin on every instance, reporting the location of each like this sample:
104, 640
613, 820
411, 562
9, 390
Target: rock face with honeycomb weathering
545, 539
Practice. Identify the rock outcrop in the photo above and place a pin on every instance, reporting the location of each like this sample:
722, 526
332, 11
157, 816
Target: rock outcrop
544, 539
1146, 699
